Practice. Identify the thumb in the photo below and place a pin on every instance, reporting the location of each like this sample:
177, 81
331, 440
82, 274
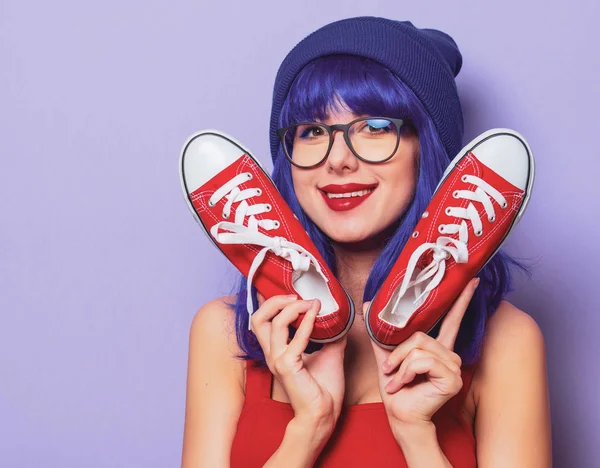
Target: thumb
381, 355
260, 298
338, 346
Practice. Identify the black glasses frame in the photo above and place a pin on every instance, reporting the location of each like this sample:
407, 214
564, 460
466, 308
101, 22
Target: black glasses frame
344, 128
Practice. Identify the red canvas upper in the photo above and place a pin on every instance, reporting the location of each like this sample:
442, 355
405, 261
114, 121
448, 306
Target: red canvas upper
274, 276
457, 275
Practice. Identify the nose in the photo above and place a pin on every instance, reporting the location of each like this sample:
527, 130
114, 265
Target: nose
341, 158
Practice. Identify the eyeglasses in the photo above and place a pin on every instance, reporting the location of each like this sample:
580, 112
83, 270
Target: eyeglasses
371, 139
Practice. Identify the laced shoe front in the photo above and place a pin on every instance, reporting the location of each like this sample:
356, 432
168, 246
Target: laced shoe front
482, 195
241, 211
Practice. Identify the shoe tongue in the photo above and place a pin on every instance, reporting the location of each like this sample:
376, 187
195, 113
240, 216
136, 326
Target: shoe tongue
425, 260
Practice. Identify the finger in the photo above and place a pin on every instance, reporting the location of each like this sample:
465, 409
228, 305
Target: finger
261, 298
417, 353
270, 308
453, 319
381, 355
280, 332
418, 340
437, 373
339, 344
431, 366
302, 336
399, 378
434, 369
261, 319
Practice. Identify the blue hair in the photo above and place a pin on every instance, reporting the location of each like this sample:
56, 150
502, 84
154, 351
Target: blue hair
363, 86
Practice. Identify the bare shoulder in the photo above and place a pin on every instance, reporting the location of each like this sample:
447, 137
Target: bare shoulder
513, 344
215, 385
511, 325
213, 327
512, 418
510, 318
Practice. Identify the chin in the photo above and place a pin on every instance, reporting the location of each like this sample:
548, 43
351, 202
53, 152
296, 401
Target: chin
347, 238
342, 234
367, 237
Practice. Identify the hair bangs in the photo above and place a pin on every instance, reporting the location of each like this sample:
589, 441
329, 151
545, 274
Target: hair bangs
345, 83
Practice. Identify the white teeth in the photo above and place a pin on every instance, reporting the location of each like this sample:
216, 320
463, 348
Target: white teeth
360, 193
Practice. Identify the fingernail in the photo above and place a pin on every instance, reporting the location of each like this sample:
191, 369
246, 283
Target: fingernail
476, 284
386, 365
290, 297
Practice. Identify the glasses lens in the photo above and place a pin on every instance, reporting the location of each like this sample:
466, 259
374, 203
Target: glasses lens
306, 144
374, 139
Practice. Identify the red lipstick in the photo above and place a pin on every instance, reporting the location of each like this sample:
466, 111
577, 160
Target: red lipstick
346, 203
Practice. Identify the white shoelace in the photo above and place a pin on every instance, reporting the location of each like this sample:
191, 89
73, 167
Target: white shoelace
445, 247
237, 233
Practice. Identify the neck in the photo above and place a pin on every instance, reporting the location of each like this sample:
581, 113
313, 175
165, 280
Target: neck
354, 265
355, 261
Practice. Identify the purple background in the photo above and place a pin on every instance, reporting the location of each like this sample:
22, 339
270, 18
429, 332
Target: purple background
102, 267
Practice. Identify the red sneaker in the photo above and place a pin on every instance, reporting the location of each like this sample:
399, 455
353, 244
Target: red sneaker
482, 195
244, 215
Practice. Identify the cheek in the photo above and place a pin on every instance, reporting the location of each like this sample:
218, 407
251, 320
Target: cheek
301, 181
405, 172
403, 184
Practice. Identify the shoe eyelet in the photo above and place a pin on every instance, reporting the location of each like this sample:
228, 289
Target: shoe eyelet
269, 207
504, 205
478, 233
441, 229
276, 223
249, 175
464, 178
448, 211
415, 234
455, 194
424, 215
258, 192
211, 204
491, 219
225, 216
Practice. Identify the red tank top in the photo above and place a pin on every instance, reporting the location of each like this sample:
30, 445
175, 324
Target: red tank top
362, 436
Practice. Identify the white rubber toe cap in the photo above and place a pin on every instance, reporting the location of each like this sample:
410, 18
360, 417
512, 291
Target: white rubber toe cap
205, 155
507, 154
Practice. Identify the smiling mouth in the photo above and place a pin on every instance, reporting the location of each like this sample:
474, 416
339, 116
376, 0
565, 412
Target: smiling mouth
359, 193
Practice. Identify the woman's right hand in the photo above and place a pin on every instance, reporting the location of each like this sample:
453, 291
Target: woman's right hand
313, 382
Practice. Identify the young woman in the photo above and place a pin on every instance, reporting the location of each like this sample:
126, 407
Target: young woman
472, 394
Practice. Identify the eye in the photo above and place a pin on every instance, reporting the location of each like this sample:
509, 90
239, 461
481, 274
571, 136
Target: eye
377, 126
311, 131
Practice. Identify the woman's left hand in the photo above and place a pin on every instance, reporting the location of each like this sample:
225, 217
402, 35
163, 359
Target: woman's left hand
422, 373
